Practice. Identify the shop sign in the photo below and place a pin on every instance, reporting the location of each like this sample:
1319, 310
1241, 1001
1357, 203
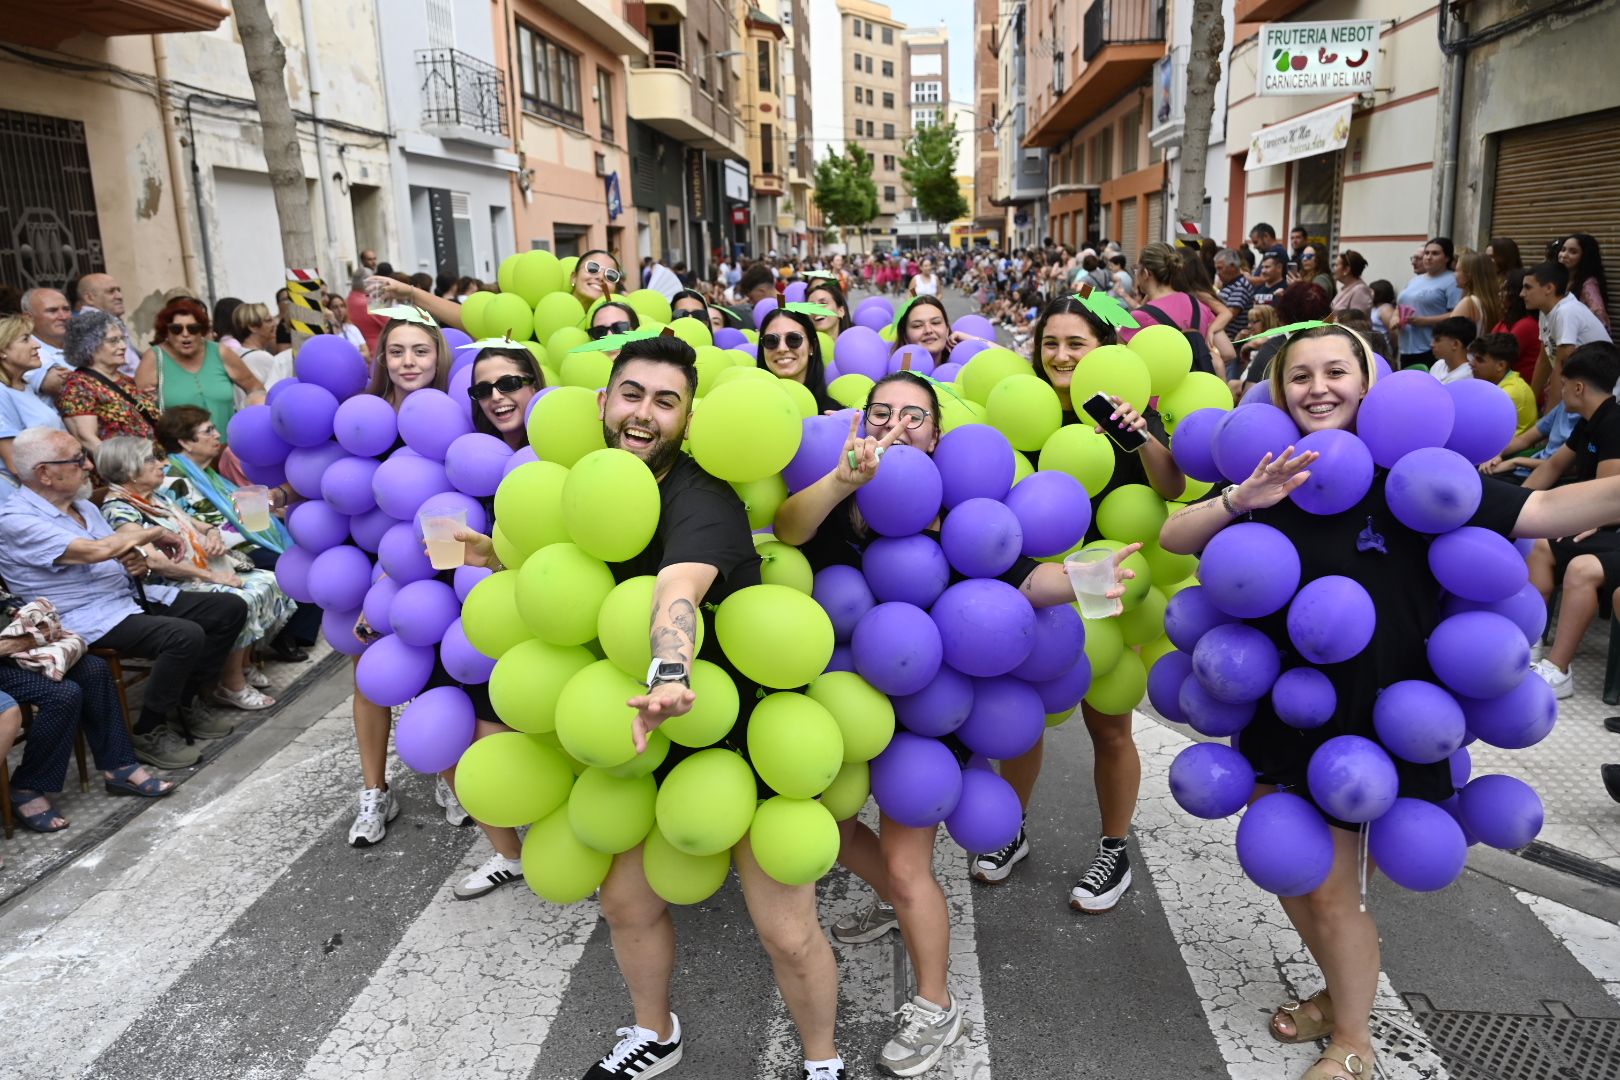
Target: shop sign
1320, 131
695, 193
1317, 58
739, 215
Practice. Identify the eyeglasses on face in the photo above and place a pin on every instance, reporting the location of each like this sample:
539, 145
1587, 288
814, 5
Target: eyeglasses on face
81, 460
597, 333
609, 275
506, 384
878, 414
793, 339
184, 329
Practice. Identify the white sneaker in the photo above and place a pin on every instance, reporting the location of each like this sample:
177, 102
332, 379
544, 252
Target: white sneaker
1562, 682
445, 796
1537, 651
377, 808
497, 870
924, 1033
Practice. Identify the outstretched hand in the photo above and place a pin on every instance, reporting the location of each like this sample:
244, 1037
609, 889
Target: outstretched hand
1273, 480
655, 706
858, 462
1122, 573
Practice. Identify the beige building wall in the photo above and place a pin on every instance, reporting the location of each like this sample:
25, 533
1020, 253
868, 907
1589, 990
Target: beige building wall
874, 100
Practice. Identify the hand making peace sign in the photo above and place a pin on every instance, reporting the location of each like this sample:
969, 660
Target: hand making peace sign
859, 460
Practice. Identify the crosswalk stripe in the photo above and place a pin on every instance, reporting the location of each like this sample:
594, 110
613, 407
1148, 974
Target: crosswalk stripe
1594, 943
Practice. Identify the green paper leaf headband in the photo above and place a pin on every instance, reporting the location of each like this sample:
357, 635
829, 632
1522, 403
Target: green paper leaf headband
819, 274
1290, 330
405, 313
900, 316
818, 311
617, 341
494, 343
1106, 308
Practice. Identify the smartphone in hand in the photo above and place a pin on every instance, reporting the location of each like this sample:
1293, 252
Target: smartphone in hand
1099, 408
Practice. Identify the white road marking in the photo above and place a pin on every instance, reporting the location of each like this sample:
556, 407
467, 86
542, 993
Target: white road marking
1595, 944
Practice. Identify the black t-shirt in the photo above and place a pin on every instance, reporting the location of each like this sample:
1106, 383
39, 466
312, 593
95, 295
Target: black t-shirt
1128, 467
1371, 547
1595, 440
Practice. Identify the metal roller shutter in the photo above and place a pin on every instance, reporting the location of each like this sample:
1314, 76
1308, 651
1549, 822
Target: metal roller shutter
1555, 179
1129, 238
1155, 213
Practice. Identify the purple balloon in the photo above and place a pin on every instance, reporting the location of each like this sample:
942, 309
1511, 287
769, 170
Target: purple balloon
1007, 718
303, 414
379, 604
368, 528
877, 302
975, 461
1479, 565
281, 387
456, 340
897, 648
520, 457
1462, 764
1339, 478
975, 326
916, 781
339, 578
748, 347
1209, 715
1304, 698
461, 377
870, 318
1479, 654
465, 664
465, 577
1249, 570
436, 729
921, 360
346, 484
338, 629
401, 554
1164, 685
1190, 615
1244, 436
822, 441
1063, 694
252, 437
762, 309
1192, 444
988, 814
1284, 845
404, 482
476, 462
938, 708
430, 421
903, 496
1503, 811
317, 526
982, 538
964, 351
1433, 490
911, 569
1352, 779
1211, 781
366, 425
1515, 720
1236, 663
844, 595
292, 573
268, 475
1407, 411
306, 465
860, 351
794, 293
1486, 419
729, 337
987, 626
1525, 608
423, 611
948, 372
1331, 620
843, 659
1258, 394
393, 671
1417, 844
1381, 366
332, 362
1053, 509
1059, 638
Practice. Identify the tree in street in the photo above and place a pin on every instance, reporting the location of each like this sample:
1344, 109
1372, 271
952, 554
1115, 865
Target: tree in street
929, 170
1203, 73
845, 192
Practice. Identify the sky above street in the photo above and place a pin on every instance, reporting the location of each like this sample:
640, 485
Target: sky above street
958, 19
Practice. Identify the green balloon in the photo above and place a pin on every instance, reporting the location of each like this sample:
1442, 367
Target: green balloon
1119, 690
1021, 468
784, 564
567, 263
777, 636
559, 593
1025, 409
865, 714
714, 708
795, 745
956, 411
550, 739
1199, 390
1080, 451
610, 814
593, 721
1144, 622
528, 680
489, 615
803, 400
503, 275
646, 762
827, 343
557, 866
711, 362
1131, 514
472, 314
623, 625
1056, 718
761, 498
1115, 370
850, 390
563, 341
736, 373
610, 504
528, 506
538, 351
551, 375
509, 315
537, 273
795, 841
555, 311
691, 331
1166, 352
1136, 588
745, 430
986, 368
566, 425
587, 369
849, 790
509, 553
1156, 650
679, 878
654, 305
706, 802
887, 333
752, 337
1168, 567
1104, 644
510, 779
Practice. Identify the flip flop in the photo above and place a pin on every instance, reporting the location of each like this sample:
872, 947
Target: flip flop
40, 822
119, 783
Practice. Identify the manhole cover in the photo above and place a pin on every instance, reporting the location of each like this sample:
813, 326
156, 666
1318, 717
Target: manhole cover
1556, 1045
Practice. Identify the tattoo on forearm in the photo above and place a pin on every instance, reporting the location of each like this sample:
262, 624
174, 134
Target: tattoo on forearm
684, 615
674, 631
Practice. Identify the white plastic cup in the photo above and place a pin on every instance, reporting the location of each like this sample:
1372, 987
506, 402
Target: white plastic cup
1091, 575
439, 529
252, 503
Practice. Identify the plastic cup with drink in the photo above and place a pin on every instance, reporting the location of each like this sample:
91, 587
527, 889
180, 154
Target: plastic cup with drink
1091, 574
439, 528
252, 503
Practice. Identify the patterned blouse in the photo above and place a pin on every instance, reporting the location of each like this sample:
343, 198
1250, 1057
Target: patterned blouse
83, 394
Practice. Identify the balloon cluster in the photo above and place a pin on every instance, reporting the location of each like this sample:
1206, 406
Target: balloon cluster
1430, 437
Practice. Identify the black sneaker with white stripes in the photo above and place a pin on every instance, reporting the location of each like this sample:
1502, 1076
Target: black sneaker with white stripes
638, 1054
994, 866
1105, 880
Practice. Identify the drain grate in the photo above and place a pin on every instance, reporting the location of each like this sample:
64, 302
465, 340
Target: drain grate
1557, 1045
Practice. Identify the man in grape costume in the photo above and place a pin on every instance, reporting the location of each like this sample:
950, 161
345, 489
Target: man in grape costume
1362, 521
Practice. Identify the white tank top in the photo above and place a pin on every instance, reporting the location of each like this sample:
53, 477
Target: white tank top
927, 284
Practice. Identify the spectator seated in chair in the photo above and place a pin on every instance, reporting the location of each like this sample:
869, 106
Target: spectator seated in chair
1492, 358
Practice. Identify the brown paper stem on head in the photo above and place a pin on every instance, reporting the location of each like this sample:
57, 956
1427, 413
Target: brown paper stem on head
905, 362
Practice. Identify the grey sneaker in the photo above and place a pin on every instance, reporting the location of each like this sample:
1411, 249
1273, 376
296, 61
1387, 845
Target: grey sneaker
377, 808
925, 1031
869, 924
161, 748
199, 723
445, 796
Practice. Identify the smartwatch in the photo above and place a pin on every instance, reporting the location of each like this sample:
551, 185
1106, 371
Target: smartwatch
668, 671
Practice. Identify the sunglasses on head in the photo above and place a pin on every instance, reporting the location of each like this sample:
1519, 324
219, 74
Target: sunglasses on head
506, 384
597, 333
610, 275
184, 329
793, 339
690, 313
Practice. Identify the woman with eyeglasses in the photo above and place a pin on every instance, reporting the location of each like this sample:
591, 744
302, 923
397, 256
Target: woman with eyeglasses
187, 368
829, 294
789, 349
596, 275
613, 318
98, 401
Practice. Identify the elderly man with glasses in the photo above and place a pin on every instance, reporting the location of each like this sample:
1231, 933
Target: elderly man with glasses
55, 543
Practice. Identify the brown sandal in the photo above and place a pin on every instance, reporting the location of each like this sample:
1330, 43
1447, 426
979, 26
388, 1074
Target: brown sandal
1307, 1028
1339, 1062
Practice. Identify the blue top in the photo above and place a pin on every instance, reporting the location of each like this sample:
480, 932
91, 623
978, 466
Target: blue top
19, 411
1556, 425
92, 598
1427, 295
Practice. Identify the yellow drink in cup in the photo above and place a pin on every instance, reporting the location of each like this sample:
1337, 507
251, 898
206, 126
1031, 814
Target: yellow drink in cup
439, 527
253, 507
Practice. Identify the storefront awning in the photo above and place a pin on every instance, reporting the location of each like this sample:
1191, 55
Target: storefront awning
1320, 131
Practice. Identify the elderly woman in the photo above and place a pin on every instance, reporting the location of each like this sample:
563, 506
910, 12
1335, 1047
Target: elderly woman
98, 401
134, 474
19, 409
187, 368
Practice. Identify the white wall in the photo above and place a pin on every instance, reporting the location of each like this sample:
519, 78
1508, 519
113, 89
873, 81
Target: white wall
245, 212
827, 74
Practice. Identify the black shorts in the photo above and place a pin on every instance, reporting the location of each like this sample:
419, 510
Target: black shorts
1603, 546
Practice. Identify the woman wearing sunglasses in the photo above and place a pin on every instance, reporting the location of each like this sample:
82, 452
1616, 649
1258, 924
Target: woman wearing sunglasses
504, 381
187, 368
789, 349
826, 292
691, 304
596, 275
613, 318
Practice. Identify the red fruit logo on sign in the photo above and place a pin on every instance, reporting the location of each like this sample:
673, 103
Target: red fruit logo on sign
1361, 58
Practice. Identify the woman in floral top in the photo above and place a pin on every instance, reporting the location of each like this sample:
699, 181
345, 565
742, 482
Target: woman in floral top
98, 401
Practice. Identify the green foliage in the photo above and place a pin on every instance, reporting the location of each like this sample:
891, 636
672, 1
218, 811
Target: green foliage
845, 193
929, 170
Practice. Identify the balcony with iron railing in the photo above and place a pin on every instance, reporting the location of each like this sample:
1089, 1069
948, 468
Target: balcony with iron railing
1121, 40
666, 95
463, 98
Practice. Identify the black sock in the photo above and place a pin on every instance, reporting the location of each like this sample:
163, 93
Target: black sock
148, 722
